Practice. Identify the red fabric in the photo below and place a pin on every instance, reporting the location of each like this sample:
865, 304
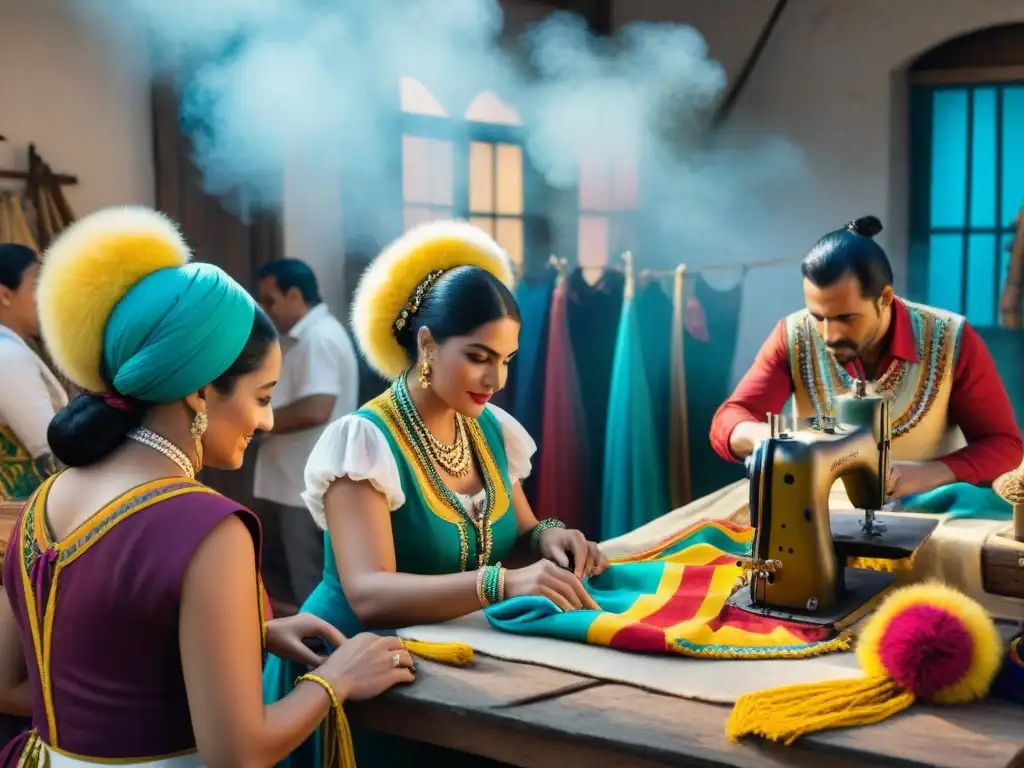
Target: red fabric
562, 462
978, 404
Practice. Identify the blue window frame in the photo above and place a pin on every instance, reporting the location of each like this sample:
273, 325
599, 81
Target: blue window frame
967, 186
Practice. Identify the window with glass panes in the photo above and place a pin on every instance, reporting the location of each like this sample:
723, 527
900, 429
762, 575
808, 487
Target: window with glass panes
473, 170
967, 187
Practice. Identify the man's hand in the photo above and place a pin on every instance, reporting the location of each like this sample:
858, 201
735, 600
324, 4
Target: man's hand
746, 435
907, 478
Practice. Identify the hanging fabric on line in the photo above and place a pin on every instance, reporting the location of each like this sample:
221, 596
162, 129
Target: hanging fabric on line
528, 374
708, 372
593, 314
671, 599
563, 462
634, 489
680, 491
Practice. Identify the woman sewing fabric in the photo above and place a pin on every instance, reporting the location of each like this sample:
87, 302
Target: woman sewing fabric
132, 589
419, 490
29, 392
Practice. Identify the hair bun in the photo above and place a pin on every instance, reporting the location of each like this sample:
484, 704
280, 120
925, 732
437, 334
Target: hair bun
866, 226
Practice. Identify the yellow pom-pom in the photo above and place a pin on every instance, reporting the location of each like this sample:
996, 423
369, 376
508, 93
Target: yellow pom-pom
88, 270
933, 640
391, 278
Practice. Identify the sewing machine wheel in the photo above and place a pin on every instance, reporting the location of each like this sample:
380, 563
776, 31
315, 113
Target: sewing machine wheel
897, 537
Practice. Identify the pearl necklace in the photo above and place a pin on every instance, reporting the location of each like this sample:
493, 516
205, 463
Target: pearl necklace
161, 444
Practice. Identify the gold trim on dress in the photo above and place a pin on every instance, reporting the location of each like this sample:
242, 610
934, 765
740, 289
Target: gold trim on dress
37, 543
383, 407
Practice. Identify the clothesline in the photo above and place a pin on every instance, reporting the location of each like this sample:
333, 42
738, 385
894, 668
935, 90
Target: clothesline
744, 266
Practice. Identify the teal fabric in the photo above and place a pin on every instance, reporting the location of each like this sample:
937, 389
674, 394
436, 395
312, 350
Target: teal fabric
634, 490
175, 331
424, 544
961, 501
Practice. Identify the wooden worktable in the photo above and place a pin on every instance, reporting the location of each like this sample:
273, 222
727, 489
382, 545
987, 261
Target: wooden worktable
542, 718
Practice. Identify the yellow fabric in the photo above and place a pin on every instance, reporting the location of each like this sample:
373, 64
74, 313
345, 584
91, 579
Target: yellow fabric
920, 391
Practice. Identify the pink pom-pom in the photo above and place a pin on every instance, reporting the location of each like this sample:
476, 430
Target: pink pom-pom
925, 649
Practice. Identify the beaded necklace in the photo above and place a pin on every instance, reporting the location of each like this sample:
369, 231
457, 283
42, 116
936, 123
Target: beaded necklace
479, 519
161, 444
455, 459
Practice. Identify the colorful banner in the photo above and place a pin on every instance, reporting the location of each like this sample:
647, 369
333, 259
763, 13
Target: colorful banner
671, 599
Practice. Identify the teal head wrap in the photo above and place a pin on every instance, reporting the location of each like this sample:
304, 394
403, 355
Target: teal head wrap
176, 330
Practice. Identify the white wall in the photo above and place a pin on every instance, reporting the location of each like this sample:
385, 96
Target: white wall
830, 79
87, 117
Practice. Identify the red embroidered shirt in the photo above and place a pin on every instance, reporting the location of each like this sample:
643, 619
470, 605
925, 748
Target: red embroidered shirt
978, 403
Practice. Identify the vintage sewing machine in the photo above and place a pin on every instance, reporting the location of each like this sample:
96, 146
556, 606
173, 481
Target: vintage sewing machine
797, 569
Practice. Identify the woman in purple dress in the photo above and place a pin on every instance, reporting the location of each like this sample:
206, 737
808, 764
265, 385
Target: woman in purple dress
134, 626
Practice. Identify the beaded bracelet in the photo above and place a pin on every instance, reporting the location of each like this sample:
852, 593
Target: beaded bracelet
542, 526
490, 585
338, 747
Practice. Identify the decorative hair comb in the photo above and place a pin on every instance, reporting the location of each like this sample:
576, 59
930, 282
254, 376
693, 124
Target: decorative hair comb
413, 305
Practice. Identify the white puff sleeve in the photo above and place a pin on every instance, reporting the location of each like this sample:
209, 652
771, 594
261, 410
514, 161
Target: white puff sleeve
352, 447
519, 446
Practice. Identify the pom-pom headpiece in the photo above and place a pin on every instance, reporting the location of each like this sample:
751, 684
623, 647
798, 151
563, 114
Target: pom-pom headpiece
87, 271
389, 286
926, 641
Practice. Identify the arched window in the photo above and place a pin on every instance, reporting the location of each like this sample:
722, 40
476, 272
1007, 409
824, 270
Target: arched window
488, 108
967, 170
428, 164
470, 169
416, 99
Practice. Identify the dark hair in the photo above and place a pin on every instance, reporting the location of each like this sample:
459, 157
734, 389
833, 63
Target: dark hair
14, 261
90, 428
852, 251
462, 300
292, 273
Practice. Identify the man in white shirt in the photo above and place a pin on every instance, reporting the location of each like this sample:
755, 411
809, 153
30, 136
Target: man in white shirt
319, 383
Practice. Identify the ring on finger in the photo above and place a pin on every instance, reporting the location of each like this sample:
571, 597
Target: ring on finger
396, 660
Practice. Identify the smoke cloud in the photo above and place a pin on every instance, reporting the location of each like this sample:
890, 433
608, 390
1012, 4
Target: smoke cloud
267, 82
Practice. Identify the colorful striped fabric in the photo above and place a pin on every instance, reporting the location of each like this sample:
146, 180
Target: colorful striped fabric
672, 599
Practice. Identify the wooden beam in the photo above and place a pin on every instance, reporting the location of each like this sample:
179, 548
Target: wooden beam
966, 75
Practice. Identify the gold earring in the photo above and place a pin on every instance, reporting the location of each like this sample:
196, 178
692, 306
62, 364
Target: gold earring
198, 429
425, 374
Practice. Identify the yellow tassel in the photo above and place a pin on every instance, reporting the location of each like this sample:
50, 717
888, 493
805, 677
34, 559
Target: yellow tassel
34, 754
785, 714
456, 654
338, 751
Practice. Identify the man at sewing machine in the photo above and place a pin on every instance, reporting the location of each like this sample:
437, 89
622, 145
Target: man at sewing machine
951, 416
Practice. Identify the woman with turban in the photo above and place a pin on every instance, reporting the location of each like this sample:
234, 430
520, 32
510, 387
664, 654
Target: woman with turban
132, 589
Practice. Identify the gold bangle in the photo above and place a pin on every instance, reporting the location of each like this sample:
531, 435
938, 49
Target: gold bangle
501, 584
323, 684
481, 593
338, 749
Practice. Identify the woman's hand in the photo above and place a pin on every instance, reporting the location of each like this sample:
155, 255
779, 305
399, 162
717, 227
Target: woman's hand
367, 665
559, 544
285, 638
546, 579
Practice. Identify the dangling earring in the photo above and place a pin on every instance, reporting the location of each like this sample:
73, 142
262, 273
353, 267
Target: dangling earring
197, 430
425, 374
